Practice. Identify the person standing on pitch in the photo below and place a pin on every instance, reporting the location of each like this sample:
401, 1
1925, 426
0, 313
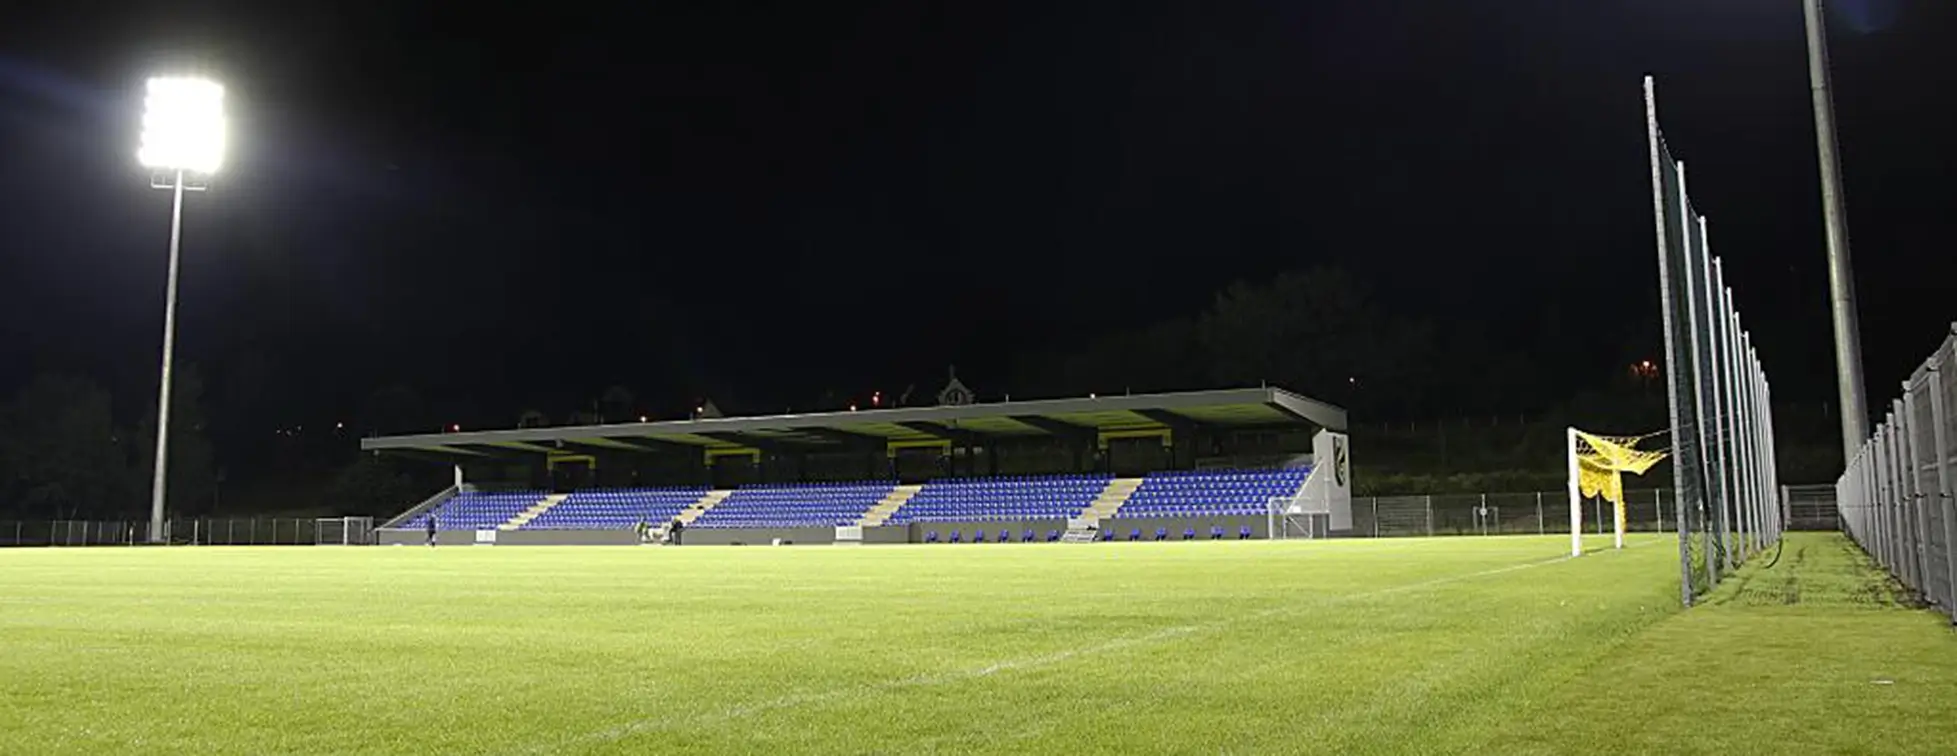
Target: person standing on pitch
431, 530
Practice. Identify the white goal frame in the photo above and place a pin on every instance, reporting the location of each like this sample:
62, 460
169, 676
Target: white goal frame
1285, 520
1576, 502
343, 531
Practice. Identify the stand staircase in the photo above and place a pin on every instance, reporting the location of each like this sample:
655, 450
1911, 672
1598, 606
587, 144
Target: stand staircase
896, 500
533, 512
706, 502
1082, 529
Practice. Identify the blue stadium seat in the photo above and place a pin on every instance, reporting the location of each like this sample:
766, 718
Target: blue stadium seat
475, 510
1189, 534
1161, 534
930, 536
1107, 535
1243, 532
1005, 535
1001, 499
778, 505
978, 536
956, 537
1208, 493
1029, 537
1216, 531
1135, 535
616, 508
1053, 536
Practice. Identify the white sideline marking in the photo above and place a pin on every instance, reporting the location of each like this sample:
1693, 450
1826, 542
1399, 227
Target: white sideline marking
628, 729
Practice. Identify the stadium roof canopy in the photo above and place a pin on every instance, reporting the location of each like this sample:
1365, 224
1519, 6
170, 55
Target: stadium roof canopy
1070, 418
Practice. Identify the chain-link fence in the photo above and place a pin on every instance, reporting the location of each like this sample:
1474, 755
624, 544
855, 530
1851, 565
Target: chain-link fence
1723, 460
238, 531
1538, 513
1810, 507
1896, 496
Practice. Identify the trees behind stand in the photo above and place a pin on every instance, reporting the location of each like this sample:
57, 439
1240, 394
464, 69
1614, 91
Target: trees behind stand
1319, 332
65, 455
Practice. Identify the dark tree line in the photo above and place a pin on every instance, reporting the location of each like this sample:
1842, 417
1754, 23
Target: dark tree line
67, 453
1320, 332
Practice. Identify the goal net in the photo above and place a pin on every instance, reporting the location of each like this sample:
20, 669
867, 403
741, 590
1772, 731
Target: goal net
1597, 467
1288, 520
343, 531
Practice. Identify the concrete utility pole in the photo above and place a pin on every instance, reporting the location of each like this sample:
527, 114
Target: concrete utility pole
1841, 273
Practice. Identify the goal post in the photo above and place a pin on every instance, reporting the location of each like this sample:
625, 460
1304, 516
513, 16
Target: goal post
1596, 469
1289, 520
1576, 495
343, 531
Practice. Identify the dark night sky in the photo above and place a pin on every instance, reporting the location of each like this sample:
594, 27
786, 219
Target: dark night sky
518, 208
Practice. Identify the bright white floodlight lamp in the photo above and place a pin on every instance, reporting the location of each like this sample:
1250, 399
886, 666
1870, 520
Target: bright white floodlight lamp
183, 125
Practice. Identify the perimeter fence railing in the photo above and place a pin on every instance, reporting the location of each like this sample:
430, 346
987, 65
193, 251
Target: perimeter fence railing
236, 531
1896, 495
1537, 513
1811, 507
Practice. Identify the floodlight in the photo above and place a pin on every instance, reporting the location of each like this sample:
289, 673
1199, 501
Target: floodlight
183, 140
183, 125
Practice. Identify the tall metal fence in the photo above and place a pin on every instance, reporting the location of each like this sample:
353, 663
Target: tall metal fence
238, 531
1538, 513
1722, 442
1896, 495
1810, 507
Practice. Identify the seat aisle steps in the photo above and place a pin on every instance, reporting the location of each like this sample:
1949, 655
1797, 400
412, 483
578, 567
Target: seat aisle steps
1084, 528
1111, 499
706, 502
533, 512
881, 513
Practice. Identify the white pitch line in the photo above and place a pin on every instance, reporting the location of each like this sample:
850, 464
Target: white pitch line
1163, 635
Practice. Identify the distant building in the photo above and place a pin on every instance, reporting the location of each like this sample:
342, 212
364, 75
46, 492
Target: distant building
955, 393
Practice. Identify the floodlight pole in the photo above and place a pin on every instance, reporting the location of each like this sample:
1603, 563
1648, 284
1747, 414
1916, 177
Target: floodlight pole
157, 485
1841, 275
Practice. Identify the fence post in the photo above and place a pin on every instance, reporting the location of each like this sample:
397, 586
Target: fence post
1430, 515
1919, 500
1542, 526
1658, 504
1940, 440
1375, 516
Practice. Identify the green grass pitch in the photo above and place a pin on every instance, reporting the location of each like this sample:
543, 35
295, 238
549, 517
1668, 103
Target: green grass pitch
1428, 646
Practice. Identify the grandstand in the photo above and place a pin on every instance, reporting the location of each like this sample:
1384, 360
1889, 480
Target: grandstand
610, 509
992, 500
1199, 465
796, 506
